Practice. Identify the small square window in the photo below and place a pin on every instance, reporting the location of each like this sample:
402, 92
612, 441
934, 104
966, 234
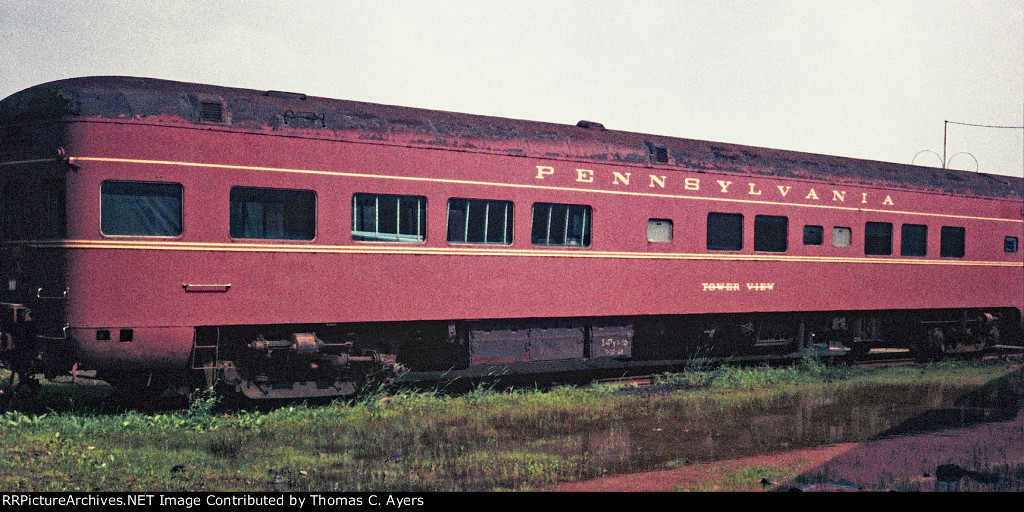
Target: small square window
841, 236
659, 230
814, 235
914, 240
725, 231
771, 233
878, 238
1010, 244
951, 242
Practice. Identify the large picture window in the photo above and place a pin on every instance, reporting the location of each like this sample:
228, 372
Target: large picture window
389, 218
139, 208
272, 213
561, 224
479, 221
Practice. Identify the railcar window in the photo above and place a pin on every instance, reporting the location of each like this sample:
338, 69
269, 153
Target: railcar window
561, 224
725, 231
659, 230
914, 240
814, 235
878, 238
16, 213
33, 211
273, 213
479, 221
771, 233
389, 218
13, 212
140, 208
951, 242
841, 236
1010, 244
51, 200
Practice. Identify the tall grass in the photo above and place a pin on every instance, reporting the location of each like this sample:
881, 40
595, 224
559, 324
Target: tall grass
705, 375
484, 439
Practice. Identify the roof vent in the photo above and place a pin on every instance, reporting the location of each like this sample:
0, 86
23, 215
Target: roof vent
590, 125
658, 153
211, 111
286, 95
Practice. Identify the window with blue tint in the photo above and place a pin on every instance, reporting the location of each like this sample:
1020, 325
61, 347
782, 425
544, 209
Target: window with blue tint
140, 208
273, 213
561, 224
479, 221
389, 218
1010, 245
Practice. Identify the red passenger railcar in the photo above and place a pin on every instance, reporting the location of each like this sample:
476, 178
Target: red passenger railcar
294, 246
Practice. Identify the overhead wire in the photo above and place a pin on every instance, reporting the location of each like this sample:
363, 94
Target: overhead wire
985, 125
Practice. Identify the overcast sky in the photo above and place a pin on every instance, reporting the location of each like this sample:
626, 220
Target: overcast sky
862, 79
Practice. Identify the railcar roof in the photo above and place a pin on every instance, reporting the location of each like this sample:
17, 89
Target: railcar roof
181, 103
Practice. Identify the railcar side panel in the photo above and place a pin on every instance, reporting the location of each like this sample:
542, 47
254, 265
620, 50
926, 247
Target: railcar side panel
194, 258
302, 280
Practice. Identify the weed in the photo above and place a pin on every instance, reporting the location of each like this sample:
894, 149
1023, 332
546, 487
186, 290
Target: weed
202, 402
811, 367
686, 379
15, 418
700, 374
484, 439
738, 377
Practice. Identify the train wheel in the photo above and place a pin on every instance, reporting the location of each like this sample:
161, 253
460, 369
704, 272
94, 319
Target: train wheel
858, 351
930, 346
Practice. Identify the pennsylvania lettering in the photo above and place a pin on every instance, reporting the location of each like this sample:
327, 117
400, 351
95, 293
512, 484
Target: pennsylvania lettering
750, 190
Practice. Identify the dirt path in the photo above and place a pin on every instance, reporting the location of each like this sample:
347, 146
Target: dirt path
983, 457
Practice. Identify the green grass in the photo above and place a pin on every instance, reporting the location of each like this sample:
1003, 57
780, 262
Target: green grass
411, 441
741, 479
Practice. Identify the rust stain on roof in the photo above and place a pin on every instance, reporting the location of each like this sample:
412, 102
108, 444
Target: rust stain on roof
179, 103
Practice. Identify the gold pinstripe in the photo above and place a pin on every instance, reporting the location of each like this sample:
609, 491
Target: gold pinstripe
522, 186
486, 251
491, 250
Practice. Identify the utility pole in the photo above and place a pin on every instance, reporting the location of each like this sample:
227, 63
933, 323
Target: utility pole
945, 131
